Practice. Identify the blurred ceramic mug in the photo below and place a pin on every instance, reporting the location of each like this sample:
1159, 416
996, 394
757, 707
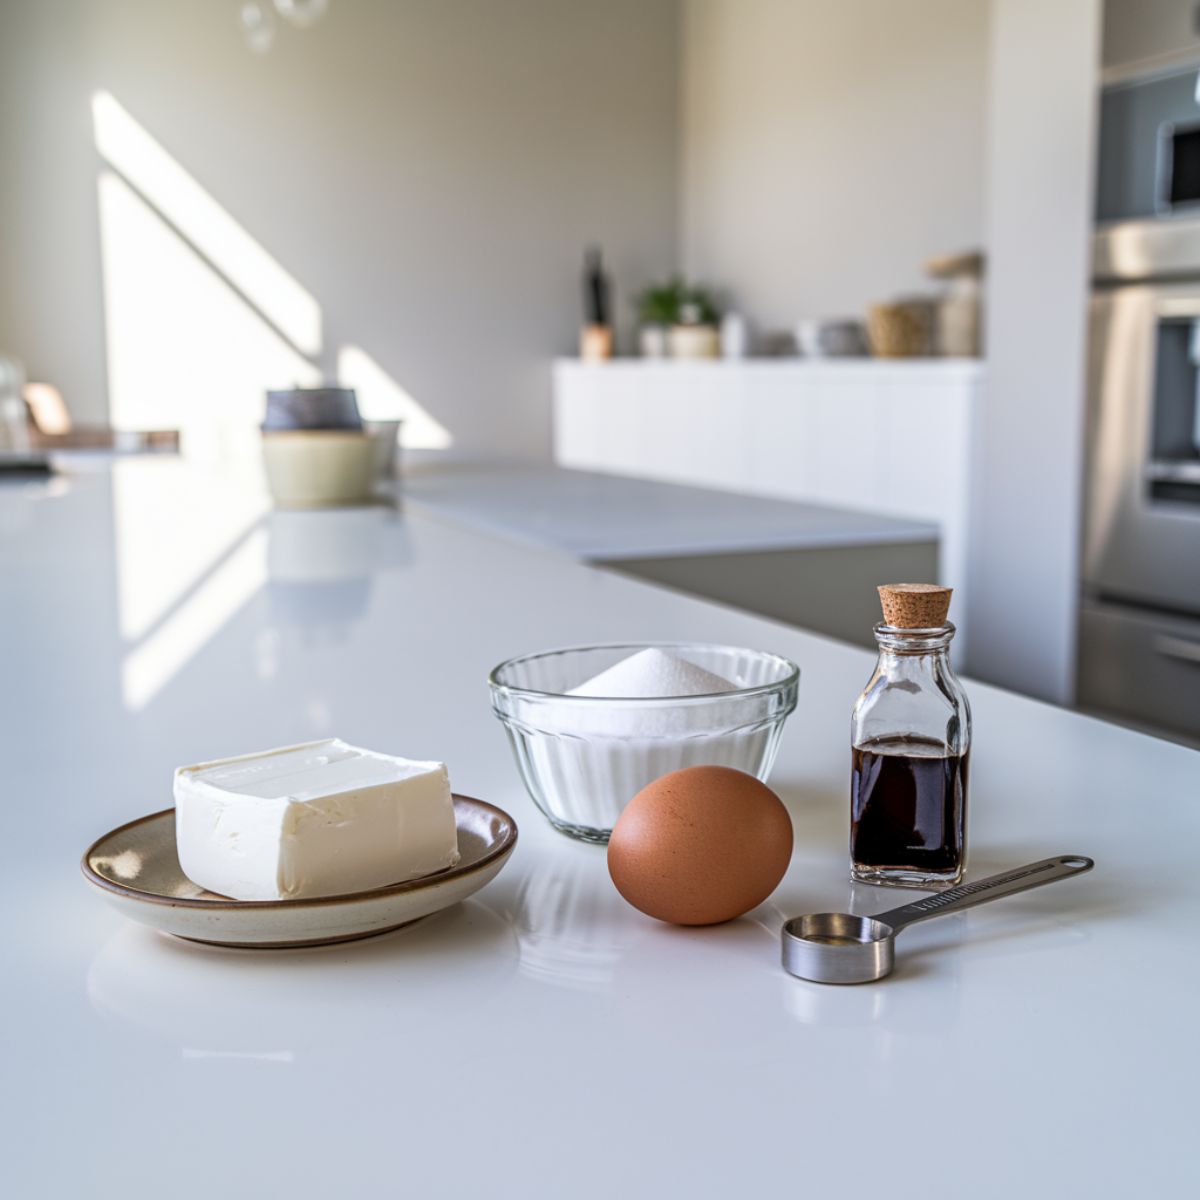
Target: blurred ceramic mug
317, 468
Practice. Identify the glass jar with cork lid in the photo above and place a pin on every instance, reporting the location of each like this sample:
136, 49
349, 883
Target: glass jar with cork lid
910, 745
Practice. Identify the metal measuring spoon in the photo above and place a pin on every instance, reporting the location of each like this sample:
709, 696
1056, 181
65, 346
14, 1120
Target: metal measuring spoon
841, 948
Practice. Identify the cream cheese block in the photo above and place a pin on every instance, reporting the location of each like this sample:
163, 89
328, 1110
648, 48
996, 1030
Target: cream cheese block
320, 819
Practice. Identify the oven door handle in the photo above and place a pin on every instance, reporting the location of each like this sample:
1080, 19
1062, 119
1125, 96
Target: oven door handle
1178, 648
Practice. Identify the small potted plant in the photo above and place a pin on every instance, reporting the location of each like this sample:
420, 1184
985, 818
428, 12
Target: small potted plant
678, 319
657, 310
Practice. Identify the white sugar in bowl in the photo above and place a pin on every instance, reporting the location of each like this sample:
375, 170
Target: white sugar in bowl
584, 755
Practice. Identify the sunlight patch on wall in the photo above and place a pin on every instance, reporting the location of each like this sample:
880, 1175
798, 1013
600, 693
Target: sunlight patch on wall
381, 398
200, 321
184, 350
126, 145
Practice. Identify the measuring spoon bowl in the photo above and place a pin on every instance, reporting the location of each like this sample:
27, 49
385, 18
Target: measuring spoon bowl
838, 948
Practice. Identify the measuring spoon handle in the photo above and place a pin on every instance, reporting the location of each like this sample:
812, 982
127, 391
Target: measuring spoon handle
994, 887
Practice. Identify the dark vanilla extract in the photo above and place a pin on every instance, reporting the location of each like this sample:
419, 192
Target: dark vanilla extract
907, 810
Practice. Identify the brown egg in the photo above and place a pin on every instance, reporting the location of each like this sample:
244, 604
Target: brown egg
701, 845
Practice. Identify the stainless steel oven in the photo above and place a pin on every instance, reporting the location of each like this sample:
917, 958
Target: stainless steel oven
1139, 647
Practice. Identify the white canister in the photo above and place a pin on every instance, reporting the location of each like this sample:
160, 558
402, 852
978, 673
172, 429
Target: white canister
734, 336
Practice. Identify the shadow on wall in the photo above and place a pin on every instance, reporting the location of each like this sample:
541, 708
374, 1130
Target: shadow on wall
200, 319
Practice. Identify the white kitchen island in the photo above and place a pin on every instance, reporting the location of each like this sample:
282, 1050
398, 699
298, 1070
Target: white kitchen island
543, 1038
806, 564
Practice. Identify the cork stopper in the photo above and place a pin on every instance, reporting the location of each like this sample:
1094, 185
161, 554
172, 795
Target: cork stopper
915, 605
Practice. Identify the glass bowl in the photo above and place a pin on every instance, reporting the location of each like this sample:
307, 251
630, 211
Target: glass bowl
583, 758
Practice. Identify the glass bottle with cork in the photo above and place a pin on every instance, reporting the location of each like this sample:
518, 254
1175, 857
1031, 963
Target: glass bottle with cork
910, 744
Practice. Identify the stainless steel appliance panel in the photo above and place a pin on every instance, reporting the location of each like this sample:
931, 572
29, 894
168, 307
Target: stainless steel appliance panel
1141, 666
1141, 251
1142, 537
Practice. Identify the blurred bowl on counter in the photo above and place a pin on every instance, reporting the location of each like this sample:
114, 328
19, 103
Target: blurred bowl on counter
317, 468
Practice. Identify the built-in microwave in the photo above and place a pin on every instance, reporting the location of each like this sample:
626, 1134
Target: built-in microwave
1149, 159
1178, 171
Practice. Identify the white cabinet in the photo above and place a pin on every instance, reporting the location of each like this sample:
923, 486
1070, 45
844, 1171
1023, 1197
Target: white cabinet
889, 436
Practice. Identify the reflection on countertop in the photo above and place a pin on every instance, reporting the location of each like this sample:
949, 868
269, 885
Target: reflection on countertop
212, 1002
321, 563
569, 919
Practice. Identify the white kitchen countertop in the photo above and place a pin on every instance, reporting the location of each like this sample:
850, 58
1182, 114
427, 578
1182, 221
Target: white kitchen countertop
541, 1039
601, 517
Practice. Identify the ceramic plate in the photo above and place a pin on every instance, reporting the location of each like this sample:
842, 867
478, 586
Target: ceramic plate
137, 870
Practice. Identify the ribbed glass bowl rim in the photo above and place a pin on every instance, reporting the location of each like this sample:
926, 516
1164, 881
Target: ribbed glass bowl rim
791, 679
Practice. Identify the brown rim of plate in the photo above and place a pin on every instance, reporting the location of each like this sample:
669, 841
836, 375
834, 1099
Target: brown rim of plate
502, 847
306, 943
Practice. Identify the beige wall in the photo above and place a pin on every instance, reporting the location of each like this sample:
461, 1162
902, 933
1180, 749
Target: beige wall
50, 290
428, 171
829, 148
